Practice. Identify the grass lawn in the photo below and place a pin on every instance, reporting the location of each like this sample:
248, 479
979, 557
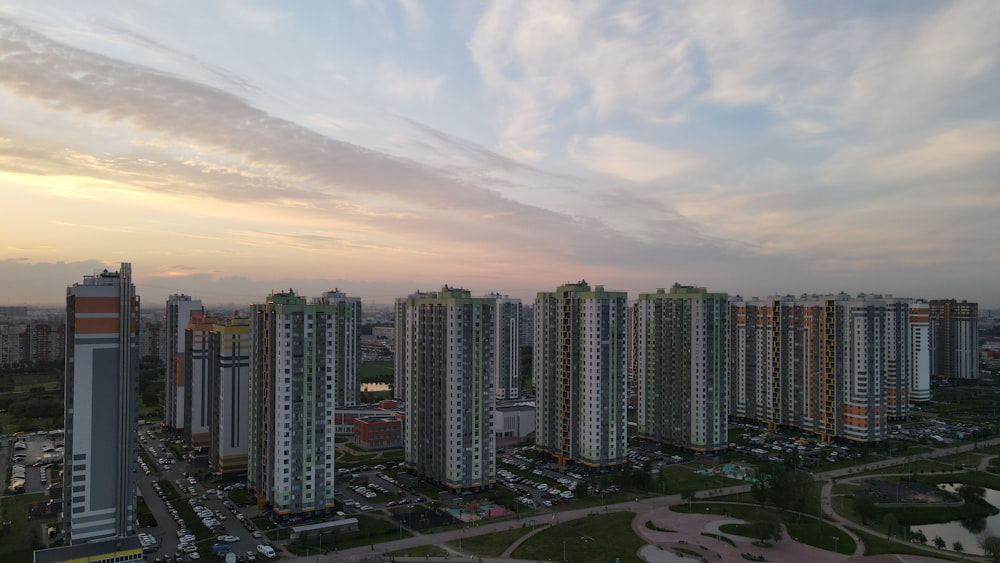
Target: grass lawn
264, 523
377, 371
371, 530
601, 538
25, 535
675, 479
810, 531
877, 545
821, 534
491, 545
420, 551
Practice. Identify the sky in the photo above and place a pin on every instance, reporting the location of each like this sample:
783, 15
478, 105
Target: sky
233, 148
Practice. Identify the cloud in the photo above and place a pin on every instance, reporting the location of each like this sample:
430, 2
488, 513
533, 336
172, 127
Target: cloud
258, 18
193, 141
631, 160
537, 58
399, 85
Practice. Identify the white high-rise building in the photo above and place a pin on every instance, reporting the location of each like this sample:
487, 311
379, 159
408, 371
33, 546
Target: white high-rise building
303, 362
920, 355
102, 382
507, 336
580, 373
447, 352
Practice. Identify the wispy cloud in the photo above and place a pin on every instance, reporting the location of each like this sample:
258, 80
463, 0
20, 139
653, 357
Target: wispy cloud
397, 84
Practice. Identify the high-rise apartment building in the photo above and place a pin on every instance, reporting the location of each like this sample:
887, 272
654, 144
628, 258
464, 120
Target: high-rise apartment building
178, 314
507, 346
229, 385
920, 351
836, 365
682, 367
580, 365
447, 351
303, 357
198, 395
954, 327
102, 381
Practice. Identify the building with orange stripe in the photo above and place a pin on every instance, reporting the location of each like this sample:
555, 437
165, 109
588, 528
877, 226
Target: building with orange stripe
580, 369
178, 315
102, 339
835, 365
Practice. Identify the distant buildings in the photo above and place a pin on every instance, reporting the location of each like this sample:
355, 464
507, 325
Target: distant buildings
954, 330
446, 356
102, 339
682, 367
303, 357
178, 315
579, 361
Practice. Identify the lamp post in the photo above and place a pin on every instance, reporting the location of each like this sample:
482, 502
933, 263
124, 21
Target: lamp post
564, 550
836, 544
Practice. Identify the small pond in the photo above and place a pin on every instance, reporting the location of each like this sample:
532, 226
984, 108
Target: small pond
966, 532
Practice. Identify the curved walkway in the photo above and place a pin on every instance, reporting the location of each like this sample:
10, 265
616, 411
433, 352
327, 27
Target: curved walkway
657, 510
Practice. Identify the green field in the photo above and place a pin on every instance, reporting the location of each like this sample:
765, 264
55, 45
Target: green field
31, 400
25, 536
599, 538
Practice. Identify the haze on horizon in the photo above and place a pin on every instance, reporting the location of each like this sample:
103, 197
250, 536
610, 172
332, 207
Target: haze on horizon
233, 148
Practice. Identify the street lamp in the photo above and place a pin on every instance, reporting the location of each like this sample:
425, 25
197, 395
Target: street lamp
836, 544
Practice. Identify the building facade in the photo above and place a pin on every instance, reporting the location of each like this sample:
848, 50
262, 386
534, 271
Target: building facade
682, 366
102, 382
954, 327
372, 433
580, 371
177, 316
229, 383
198, 395
302, 355
835, 365
447, 356
507, 335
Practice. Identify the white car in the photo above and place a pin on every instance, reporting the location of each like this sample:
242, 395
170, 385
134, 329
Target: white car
194, 555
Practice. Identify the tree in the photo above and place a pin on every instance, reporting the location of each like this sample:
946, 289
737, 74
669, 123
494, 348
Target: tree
991, 546
865, 507
766, 530
688, 494
786, 488
939, 543
957, 547
890, 523
919, 537
971, 493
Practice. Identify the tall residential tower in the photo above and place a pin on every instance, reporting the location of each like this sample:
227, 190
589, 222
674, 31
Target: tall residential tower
448, 351
303, 361
102, 381
178, 314
682, 371
954, 327
229, 385
580, 372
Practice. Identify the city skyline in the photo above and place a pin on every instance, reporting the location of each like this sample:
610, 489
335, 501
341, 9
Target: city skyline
388, 147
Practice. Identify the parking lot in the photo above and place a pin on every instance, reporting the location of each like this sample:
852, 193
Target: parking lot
211, 516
